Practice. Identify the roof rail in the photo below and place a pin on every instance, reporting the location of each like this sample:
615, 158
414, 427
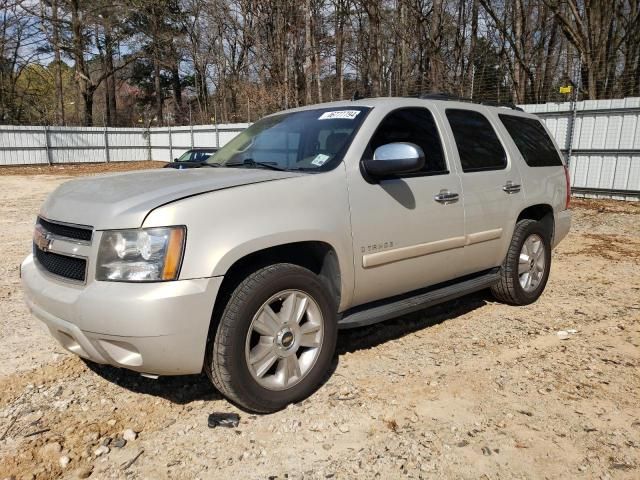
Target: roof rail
443, 96
510, 105
450, 97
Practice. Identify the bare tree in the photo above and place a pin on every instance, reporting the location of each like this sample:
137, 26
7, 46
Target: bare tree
19, 37
235, 60
596, 30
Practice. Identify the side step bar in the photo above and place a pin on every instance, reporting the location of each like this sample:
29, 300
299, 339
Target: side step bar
402, 305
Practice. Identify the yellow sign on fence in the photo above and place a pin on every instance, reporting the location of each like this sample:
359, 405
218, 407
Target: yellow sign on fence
566, 89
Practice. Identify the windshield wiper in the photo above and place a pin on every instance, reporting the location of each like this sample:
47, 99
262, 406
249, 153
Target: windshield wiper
305, 169
205, 164
250, 162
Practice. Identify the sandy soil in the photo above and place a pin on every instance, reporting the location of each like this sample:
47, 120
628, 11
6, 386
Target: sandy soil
77, 169
469, 389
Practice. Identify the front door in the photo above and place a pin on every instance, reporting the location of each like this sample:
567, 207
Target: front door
408, 232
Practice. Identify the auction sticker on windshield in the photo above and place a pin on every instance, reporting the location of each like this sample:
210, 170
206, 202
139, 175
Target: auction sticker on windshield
320, 159
339, 114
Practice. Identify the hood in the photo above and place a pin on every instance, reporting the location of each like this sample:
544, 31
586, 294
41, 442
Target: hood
124, 200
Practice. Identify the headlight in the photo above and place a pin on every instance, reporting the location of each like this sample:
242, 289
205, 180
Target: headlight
140, 255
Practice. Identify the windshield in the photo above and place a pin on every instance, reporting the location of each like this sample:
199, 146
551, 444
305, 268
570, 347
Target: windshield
195, 155
306, 140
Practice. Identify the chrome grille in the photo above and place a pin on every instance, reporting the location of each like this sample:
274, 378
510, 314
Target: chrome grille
81, 233
61, 265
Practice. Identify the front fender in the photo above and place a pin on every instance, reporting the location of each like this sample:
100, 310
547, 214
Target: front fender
226, 225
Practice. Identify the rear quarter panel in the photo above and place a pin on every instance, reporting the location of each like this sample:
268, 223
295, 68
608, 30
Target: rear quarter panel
540, 185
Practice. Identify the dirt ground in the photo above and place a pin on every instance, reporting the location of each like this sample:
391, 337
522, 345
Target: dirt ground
470, 389
78, 169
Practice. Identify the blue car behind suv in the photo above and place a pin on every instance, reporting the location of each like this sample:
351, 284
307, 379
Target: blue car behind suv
192, 158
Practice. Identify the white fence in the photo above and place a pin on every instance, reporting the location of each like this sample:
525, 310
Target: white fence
605, 151
51, 145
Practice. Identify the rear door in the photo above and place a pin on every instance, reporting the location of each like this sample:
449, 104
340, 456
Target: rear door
491, 185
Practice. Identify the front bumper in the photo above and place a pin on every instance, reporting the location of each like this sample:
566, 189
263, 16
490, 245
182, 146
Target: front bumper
157, 328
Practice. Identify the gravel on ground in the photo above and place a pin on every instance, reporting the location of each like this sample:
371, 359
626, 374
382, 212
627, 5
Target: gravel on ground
469, 389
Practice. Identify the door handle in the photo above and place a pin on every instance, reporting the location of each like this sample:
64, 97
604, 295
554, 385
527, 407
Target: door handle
511, 187
445, 197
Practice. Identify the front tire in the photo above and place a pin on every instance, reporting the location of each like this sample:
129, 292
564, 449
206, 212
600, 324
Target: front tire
275, 340
525, 269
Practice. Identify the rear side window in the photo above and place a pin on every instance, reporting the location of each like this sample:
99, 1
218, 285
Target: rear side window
477, 142
414, 125
532, 140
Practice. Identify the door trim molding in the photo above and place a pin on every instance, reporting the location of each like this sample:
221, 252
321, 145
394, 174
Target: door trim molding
484, 236
422, 249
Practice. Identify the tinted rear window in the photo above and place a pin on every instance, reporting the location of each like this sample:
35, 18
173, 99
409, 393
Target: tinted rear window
532, 140
477, 142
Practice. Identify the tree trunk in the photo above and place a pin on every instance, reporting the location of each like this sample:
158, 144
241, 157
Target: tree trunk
373, 14
550, 65
87, 97
308, 54
58, 63
435, 64
459, 44
471, 65
296, 69
176, 86
339, 39
403, 70
158, 89
316, 61
110, 80
518, 90
81, 72
286, 80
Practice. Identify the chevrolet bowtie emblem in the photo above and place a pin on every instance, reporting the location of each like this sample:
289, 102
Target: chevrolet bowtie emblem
42, 239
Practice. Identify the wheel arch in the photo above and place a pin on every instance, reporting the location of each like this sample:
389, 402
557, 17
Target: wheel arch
318, 256
541, 212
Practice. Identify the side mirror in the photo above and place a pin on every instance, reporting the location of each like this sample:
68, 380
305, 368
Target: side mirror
393, 159
175, 159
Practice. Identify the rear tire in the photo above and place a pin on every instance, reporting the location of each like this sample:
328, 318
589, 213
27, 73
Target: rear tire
525, 269
275, 340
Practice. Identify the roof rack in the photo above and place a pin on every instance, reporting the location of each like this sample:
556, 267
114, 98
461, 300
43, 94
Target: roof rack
444, 96
450, 97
